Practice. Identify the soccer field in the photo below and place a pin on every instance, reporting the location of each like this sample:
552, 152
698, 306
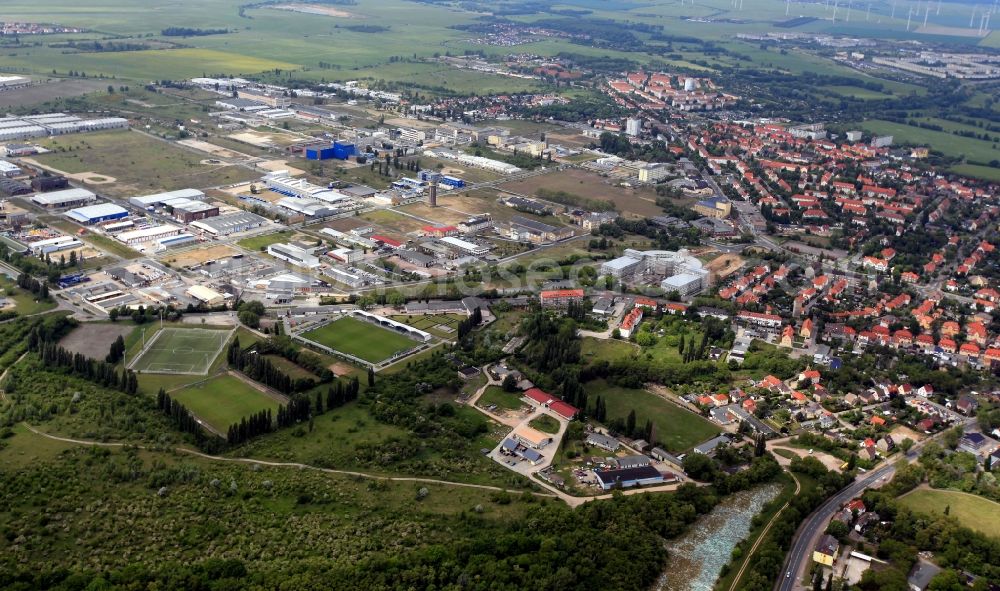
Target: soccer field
181, 351
360, 339
224, 400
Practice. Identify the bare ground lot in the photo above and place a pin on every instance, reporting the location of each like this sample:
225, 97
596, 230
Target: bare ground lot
199, 256
393, 221
94, 340
49, 90
436, 215
588, 185
319, 9
725, 265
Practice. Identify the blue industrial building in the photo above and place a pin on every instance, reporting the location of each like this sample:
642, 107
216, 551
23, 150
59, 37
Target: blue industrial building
339, 150
93, 214
451, 181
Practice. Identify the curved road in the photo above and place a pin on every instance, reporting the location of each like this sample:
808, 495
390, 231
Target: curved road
809, 532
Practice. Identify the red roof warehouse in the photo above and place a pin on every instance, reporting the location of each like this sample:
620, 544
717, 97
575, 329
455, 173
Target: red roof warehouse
542, 398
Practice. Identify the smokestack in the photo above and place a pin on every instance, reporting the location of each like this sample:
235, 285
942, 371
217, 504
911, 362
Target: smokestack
432, 194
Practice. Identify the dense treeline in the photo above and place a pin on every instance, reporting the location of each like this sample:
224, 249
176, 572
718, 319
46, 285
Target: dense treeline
283, 346
258, 367
78, 364
256, 424
27, 282
189, 32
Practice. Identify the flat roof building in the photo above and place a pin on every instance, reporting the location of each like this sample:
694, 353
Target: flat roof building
230, 223
161, 198
293, 254
64, 198
208, 296
148, 234
92, 214
629, 477
465, 246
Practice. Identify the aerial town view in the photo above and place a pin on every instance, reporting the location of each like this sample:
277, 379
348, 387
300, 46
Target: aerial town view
624, 295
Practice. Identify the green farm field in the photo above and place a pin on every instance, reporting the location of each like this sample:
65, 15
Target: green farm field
360, 339
678, 429
952, 145
181, 351
223, 400
974, 512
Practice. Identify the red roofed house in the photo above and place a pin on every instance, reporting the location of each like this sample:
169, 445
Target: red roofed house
439, 231
385, 240
560, 297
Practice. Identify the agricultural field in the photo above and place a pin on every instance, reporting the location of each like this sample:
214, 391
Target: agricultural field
181, 351
974, 512
360, 339
951, 145
138, 164
94, 337
223, 400
678, 429
590, 186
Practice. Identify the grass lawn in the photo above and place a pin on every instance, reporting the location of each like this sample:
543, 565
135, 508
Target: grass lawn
25, 302
360, 339
224, 400
677, 429
545, 424
978, 513
496, 395
181, 350
262, 242
609, 349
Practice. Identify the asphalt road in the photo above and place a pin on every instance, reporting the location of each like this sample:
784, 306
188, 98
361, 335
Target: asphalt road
813, 527
799, 557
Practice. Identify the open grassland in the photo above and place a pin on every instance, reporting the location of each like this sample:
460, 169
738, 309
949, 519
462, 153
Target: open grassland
678, 429
978, 513
360, 339
223, 400
140, 164
590, 186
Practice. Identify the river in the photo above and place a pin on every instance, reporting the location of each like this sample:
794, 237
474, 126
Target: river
697, 557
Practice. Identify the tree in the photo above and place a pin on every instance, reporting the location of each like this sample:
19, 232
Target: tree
906, 445
838, 529
630, 423
699, 466
680, 346
371, 377
509, 383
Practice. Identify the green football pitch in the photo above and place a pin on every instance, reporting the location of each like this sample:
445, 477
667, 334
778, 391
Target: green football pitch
181, 351
361, 339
